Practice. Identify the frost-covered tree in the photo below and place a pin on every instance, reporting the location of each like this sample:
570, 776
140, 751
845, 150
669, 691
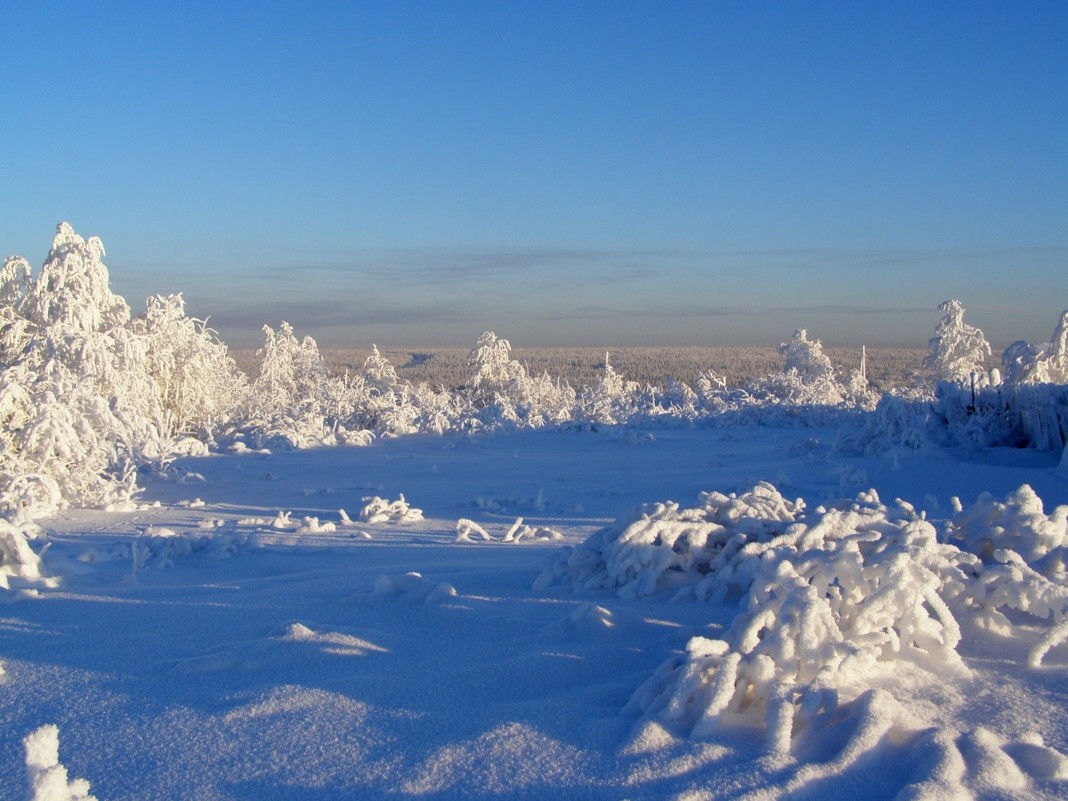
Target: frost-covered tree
1047, 363
501, 392
808, 376
198, 383
957, 350
613, 399
80, 408
290, 398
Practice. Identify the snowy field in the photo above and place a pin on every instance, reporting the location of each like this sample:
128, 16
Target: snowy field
239, 637
304, 585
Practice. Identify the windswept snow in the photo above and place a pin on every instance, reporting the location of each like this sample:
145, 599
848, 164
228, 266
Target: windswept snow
728, 614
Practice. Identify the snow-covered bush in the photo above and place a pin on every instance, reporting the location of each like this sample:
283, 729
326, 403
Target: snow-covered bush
289, 401
379, 510
832, 599
47, 777
613, 399
20, 565
158, 547
1025, 553
808, 377
958, 351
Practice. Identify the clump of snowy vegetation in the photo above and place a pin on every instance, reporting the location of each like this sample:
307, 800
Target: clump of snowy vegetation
379, 510
832, 600
958, 351
20, 564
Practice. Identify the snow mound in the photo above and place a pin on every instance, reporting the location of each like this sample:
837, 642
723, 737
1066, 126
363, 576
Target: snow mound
20, 565
159, 546
379, 510
331, 642
47, 777
414, 587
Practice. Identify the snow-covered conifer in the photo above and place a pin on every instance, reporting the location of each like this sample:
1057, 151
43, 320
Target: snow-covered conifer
957, 350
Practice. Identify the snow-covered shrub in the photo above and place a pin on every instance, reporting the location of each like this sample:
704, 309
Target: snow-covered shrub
958, 351
379, 510
833, 599
613, 399
1047, 363
1025, 556
20, 565
808, 377
47, 777
467, 530
289, 400
896, 422
838, 598
158, 547
660, 544
522, 532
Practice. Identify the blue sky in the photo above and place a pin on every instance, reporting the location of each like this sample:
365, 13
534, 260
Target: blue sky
563, 173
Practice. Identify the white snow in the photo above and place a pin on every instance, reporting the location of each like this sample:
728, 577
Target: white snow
749, 643
793, 589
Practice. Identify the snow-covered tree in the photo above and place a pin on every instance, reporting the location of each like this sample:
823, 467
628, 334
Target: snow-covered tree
78, 406
957, 350
199, 384
502, 393
808, 376
1047, 363
289, 400
613, 399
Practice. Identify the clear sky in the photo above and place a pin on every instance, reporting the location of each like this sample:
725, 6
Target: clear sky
578, 173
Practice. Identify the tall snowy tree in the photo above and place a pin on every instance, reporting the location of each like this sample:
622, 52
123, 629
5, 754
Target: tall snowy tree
957, 350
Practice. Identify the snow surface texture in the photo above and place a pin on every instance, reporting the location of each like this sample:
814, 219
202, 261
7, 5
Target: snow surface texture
782, 638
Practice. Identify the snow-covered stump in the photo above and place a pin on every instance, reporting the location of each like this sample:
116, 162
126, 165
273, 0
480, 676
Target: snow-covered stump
48, 779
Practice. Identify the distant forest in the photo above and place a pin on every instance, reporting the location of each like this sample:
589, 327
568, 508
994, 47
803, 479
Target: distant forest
887, 368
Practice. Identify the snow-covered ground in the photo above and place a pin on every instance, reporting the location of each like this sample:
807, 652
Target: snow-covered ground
244, 638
